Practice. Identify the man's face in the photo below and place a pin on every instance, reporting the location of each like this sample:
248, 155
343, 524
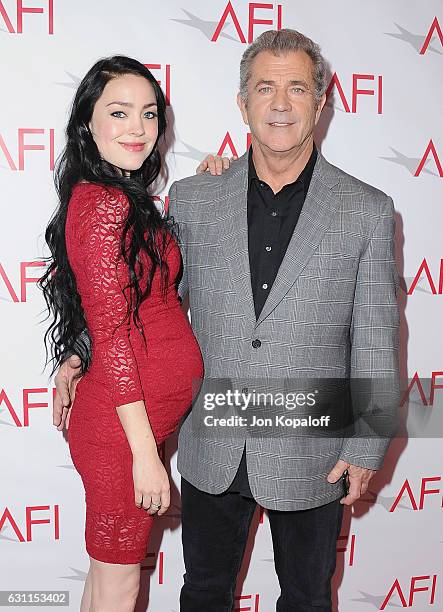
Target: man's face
281, 109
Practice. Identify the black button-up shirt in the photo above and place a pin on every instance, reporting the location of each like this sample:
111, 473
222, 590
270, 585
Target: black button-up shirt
271, 222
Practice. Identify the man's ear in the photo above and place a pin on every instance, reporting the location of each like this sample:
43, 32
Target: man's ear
320, 106
242, 106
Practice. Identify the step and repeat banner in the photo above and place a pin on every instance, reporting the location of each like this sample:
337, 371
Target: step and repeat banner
382, 124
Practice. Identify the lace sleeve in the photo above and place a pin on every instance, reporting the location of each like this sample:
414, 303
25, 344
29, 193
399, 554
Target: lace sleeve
100, 224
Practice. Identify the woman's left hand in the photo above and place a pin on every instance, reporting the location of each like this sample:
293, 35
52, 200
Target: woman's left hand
215, 164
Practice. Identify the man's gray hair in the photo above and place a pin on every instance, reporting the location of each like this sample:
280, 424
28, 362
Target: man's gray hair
280, 42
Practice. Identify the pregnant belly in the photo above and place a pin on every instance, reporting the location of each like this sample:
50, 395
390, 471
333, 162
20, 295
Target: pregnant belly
170, 368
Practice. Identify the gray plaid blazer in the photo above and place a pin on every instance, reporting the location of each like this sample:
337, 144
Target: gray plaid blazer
332, 312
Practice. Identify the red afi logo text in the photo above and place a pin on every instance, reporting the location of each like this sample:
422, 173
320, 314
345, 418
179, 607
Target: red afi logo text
356, 91
26, 534
430, 151
23, 145
436, 286
229, 13
434, 29
21, 10
158, 563
25, 280
29, 402
416, 383
165, 81
252, 603
410, 591
406, 490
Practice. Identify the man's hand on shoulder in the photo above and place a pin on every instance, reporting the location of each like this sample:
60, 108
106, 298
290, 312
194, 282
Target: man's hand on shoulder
65, 382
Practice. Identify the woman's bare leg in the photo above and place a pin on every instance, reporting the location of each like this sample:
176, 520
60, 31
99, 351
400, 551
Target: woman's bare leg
114, 586
87, 591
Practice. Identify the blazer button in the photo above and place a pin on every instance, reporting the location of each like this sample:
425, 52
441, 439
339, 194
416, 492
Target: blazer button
256, 343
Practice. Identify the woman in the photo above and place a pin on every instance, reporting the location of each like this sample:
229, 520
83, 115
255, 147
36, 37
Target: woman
114, 269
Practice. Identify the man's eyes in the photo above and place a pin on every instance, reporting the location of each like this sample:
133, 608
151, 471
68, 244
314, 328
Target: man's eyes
296, 90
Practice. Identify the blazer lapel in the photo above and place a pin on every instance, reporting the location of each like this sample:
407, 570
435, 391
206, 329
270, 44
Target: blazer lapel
234, 234
316, 216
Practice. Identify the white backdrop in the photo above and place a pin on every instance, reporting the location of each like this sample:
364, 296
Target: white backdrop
390, 135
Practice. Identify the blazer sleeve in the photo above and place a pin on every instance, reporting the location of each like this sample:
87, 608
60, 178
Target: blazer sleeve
174, 211
374, 347
81, 346
106, 307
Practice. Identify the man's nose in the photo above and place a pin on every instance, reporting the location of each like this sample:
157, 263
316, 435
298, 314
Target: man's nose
281, 101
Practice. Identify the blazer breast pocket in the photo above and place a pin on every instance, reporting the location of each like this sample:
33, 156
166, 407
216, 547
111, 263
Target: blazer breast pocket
329, 281
331, 267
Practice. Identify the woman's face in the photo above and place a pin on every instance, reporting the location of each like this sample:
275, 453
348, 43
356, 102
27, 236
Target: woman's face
124, 123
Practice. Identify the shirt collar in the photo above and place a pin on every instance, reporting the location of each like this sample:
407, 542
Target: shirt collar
304, 177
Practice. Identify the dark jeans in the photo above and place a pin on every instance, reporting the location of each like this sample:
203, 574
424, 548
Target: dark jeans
214, 533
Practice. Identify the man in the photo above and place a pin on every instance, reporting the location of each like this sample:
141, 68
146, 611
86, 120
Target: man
290, 269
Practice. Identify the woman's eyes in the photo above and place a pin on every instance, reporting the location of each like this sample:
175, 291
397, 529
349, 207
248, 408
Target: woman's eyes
121, 114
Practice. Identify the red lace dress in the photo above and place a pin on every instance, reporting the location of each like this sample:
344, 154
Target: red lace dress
123, 370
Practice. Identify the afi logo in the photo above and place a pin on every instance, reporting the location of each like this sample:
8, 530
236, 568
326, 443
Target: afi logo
274, 20
23, 145
406, 489
435, 28
430, 151
410, 590
349, 540
20, 10
29, 402
31, 519
160, 563
416, 382
25, 280
166, 78
253, 603
436, 287
356, 90
228, 143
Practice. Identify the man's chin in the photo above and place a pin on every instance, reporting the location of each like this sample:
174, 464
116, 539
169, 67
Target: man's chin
282, 147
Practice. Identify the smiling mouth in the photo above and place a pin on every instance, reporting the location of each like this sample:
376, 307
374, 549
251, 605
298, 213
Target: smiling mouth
279, 124
136, 147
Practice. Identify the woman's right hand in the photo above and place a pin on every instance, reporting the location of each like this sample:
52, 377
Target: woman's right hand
151, 482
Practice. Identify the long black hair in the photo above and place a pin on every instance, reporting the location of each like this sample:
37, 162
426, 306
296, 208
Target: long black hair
81, 160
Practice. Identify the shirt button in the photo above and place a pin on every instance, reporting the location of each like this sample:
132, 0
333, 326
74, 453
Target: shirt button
264, 286
256, 343
273, 213
245, 390
262, 185
268, 248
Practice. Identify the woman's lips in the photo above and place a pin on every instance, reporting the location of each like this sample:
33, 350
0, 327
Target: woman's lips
135, 148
